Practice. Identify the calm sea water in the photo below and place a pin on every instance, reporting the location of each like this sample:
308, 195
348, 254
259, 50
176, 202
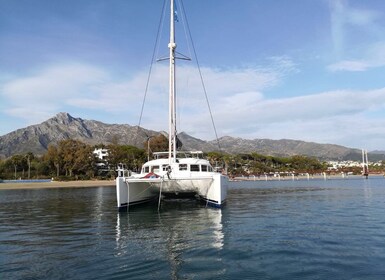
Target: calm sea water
315, 229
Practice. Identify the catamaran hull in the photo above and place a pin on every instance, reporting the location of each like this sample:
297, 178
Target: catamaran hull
212, 189
133, 194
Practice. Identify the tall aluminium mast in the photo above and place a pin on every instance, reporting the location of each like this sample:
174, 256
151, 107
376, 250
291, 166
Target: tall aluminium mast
172, 98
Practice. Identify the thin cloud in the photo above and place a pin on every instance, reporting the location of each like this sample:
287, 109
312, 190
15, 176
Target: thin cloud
65, 87
347, 25
353, 129
373, 57
349, 65
237, 99
303, 117
35, 97
53, 83
343, 18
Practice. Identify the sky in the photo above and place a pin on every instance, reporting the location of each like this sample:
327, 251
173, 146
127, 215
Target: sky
302, 70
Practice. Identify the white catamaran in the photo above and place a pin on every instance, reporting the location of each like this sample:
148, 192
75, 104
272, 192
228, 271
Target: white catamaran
172, 173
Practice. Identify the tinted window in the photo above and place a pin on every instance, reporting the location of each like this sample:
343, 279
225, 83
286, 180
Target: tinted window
194, 167
204, 168
182, 166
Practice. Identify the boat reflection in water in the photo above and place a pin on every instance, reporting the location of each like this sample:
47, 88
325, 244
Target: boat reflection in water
174, 242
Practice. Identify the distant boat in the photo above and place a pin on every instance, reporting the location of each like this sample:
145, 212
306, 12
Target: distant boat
172, 173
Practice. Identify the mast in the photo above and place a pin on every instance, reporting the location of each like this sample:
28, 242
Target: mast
365, 163
172, 105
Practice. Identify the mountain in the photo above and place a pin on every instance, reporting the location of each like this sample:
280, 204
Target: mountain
286, 147
378, 152
36, 138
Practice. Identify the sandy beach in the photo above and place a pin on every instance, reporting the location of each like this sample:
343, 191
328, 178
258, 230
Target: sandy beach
57, 184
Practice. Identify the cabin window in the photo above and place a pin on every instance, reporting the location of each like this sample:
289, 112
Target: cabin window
210, 169
204, 168
164, 167
194, 167
182, 167
146, 169
155, 169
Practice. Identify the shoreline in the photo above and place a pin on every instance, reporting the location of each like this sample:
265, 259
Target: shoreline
111, 183
305, 178
57, 184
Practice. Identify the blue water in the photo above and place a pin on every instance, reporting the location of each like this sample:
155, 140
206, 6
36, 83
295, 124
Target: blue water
26, 181
315, 229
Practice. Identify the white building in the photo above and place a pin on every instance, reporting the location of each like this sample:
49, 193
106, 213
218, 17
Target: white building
335, 165
102, 154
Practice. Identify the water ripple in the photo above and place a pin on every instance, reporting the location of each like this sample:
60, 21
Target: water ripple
268, 230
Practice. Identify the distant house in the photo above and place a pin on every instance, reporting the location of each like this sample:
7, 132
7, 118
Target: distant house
102, 164
102, 154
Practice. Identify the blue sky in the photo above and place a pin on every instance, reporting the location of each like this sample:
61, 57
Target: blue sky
304, 70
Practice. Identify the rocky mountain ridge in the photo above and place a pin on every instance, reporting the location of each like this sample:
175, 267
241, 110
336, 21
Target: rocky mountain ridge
36, 139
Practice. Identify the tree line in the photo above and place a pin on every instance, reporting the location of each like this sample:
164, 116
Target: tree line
258, 164
74, 160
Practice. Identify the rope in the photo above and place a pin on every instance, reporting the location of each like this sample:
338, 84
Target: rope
160, 193
161, 184
183, 17
207, 193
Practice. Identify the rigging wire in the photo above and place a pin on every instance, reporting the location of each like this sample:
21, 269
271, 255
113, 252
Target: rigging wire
155, 51
200, 73
184, 18
156, 48
187, 33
